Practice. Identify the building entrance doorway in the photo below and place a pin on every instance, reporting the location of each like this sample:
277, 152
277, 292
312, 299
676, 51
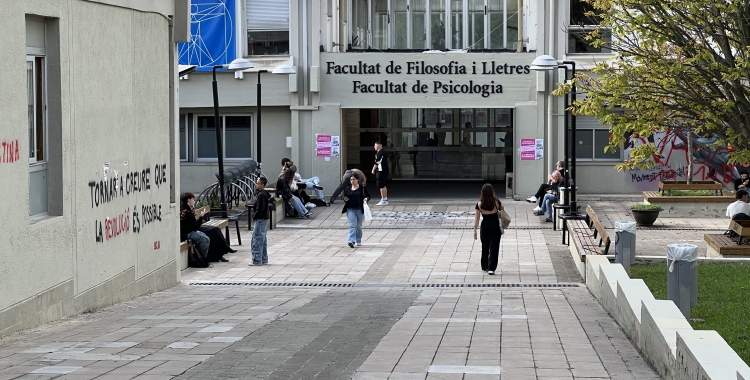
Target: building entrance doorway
434, 143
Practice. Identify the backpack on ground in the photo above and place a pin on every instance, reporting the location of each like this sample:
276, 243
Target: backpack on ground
195, 257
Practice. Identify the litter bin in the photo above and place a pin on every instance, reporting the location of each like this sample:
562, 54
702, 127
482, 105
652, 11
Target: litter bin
682, 276
625, 244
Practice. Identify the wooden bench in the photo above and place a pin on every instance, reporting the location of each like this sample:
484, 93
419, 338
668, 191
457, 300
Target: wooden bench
579, 231
720, 244
580, 235
594, 223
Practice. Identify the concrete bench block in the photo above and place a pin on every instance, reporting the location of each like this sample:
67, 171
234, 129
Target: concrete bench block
593, 282
740, 377
630, 293
608, 277
706, 355
660, 321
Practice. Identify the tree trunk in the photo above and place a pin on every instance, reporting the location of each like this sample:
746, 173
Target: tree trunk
689, 137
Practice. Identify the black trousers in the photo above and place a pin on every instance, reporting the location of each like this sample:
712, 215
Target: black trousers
490, 238
344, 184
540, 193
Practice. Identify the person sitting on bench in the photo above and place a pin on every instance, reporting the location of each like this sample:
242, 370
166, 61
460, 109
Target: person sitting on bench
210, 239
310, 183
284, 190
550, 198
740, 205
537, 198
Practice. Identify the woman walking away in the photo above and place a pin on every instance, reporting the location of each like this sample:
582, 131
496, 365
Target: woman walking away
490, 233
355, 196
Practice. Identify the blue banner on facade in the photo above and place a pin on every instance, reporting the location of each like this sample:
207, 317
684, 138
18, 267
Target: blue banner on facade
213, 37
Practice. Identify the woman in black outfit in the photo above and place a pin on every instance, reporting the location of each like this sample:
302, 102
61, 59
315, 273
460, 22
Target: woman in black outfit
355, 196
210, 239
490, 233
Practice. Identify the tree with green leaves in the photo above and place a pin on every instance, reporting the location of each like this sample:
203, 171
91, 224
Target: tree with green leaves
676, 64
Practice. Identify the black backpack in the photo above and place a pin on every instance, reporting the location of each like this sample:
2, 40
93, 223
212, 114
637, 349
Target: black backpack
195, 257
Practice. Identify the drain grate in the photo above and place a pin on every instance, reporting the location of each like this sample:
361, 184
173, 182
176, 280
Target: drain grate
392, 285
286, 284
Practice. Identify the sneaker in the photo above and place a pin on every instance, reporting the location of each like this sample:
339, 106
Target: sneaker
318, 187
382, 203
265, 263
351, 244
491, 273
537, 209
223, 260
547, 220
531, 199
256, 263
331, 201
359, 244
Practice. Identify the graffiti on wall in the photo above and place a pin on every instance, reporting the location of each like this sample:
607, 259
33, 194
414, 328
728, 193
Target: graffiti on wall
114, 185
10, 151
710, 162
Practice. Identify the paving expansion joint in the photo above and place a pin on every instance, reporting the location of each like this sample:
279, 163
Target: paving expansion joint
391, 285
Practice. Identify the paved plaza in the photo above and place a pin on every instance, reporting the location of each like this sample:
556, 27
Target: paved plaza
411, 303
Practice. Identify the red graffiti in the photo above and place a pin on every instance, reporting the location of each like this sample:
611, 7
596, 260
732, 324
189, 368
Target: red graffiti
120, 224
10, 152
157, 245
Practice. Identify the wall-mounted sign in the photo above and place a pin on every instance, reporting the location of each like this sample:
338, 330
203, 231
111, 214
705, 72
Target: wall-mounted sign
327, 146
532, 149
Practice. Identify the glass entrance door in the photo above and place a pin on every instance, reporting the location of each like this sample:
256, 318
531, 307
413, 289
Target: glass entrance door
438, 143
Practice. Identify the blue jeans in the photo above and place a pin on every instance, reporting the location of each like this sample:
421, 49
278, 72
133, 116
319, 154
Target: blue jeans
201, 241
259, 245
311, 183
547, 202
298, 206
355, 219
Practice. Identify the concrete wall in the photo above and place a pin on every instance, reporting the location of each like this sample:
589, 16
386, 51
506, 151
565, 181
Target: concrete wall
276, 125
109, 74
658, 329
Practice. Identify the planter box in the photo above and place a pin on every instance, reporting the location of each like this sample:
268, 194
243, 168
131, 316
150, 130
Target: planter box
696, 185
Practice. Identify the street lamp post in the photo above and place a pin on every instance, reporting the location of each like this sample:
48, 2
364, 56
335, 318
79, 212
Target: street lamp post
238, 64
282, 70
547, 63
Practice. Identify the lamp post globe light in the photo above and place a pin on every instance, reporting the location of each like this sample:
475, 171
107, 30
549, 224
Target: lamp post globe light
238, 64
281, 70
547, 63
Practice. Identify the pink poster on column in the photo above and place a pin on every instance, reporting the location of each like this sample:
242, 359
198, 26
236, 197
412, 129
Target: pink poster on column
528, 149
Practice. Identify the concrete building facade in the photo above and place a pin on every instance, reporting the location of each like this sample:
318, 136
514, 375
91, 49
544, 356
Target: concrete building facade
443, 83
416, 74
88, 155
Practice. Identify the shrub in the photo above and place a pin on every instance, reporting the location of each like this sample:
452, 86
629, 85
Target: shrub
645, 207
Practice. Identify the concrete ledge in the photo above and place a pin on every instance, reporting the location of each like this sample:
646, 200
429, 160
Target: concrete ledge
592, 278
60, 301
630, 294
580, 265
660, 321
706, 355
609, 275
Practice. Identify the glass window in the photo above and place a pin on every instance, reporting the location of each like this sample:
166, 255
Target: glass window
476, 24
400, 24
496, 11
584, 144
418, 26
457, 24
183, 138
267, 27
238, 137
359, 24
437, 24
380, 24
511, 22
582, 24
601, 140
206, 138
268, 43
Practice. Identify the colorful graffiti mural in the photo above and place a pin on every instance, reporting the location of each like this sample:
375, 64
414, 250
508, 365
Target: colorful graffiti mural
710, 162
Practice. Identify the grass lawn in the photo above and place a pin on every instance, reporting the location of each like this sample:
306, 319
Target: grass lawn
723, 300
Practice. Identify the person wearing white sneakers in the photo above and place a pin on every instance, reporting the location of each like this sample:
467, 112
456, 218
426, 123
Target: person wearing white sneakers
537, 198
381, 167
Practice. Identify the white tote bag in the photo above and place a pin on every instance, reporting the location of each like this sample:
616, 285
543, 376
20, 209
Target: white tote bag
368, 214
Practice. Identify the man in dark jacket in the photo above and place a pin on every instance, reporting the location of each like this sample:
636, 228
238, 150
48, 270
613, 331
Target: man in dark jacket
259, 245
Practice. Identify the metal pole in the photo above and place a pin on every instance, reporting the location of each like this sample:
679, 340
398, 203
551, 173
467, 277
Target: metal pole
219, 140
573, 202
258, 131
566, 142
